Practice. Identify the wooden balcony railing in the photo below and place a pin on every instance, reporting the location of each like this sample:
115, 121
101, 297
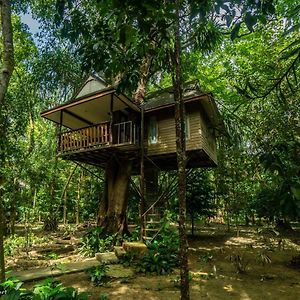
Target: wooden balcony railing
84, 138
98, 135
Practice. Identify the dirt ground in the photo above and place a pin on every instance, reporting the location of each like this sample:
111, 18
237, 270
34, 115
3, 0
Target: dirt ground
214, 259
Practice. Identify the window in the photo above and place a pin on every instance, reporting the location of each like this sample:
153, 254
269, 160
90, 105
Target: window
153, 130
187, 127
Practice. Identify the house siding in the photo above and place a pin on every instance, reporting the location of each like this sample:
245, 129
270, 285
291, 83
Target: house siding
200, 137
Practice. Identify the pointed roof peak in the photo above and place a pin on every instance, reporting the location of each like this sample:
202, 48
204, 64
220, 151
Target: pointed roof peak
93, 83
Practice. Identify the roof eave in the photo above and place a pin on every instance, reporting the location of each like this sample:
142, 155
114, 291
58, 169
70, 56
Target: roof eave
195, 98
89, 97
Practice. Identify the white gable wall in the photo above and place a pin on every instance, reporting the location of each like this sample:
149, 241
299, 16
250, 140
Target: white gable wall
90, 86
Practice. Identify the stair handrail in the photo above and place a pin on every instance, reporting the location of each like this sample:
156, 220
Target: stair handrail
163, 194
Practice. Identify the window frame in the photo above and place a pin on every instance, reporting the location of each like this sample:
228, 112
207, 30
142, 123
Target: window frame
187, 128
153, 128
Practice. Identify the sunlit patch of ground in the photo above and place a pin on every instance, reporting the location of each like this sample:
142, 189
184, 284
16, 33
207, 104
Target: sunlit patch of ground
214, 274
240, 241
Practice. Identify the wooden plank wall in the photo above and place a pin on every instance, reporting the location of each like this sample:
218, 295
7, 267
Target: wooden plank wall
200, 136
208, 139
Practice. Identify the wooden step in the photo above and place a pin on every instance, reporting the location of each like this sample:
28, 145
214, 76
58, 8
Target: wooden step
153, 215
153, 222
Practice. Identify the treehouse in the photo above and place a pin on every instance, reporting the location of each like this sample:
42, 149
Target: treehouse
102, 127
98, 123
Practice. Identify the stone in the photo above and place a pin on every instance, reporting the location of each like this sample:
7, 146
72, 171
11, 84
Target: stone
135, 248
119, 271
107, 258
40, 273
119, 251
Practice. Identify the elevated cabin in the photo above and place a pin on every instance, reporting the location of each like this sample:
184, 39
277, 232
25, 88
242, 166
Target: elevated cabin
98, 122
203, 124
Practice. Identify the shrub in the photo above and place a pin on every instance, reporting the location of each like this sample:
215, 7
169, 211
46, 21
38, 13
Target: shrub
95, 241
103, 296
15, 242
239, 262
162, 255
134, 236
49, 289
98, 274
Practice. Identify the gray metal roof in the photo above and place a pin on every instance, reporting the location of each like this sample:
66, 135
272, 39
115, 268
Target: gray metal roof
165, 97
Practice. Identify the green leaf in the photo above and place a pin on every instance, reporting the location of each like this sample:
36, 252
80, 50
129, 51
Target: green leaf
12, 295
296, 191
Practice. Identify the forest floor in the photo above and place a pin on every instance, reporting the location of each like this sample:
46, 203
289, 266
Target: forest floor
215, 256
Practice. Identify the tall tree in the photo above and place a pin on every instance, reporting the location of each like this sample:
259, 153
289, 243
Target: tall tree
6, 71
181, 155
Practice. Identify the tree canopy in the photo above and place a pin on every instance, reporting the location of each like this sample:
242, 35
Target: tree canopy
247, 53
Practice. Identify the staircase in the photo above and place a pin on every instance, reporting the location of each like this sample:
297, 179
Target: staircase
153, 223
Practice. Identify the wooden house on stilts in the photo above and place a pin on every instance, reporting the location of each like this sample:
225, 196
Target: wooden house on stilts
99, 124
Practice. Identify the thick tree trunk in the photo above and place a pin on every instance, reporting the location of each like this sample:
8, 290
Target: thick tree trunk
181, 158
113, 207
7, 58
8, 48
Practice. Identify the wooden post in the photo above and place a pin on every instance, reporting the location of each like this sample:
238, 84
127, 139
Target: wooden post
59, 132
111, 119
142, 177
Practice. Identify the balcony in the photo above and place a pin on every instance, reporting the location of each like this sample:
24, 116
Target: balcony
123, 135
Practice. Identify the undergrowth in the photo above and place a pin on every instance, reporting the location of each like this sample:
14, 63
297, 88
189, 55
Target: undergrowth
96, 241
162, 254
15, 243
98, 274
49, 289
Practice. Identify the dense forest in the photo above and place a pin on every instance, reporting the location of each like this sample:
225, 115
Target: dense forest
246, 53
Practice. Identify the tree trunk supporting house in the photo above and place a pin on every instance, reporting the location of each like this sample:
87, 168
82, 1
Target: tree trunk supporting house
113, 206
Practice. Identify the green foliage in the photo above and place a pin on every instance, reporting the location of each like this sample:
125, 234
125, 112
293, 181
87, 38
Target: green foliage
103, 296
263, 257
239, 262
134, 236
162, 254
15, 242
281, 199
11, 289
199, 195
98, 274
207, 257
51, 255
49, 289
95, 241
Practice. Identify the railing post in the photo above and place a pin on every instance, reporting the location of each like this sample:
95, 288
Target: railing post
59, 133
133, 134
